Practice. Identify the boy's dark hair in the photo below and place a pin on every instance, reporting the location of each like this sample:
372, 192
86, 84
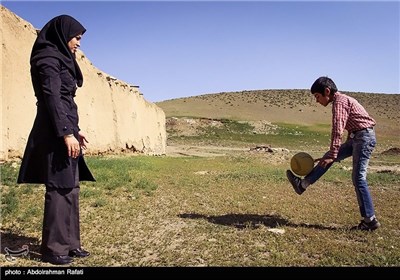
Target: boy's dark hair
321, 84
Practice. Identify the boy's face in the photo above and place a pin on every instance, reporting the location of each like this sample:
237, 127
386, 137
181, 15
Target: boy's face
324, 98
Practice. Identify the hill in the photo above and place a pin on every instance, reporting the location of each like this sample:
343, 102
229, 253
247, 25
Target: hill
295, 106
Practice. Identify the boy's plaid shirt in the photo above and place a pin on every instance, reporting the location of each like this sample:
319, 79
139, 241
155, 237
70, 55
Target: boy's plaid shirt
347, 114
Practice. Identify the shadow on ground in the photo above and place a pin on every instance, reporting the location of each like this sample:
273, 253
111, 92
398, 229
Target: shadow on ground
252, 221
16, 245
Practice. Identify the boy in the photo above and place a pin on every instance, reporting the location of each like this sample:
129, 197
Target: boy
347, 114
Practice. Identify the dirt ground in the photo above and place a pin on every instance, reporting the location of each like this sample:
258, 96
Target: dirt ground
276, 155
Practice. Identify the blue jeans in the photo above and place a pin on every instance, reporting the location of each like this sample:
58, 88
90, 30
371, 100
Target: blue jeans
360, 146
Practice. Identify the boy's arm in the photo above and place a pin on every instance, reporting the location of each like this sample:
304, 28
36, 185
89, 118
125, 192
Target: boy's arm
339, 119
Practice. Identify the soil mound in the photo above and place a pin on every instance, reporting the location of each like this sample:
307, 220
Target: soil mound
392, 151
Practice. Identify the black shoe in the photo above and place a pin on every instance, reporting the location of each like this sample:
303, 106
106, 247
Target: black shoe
79, 253
54, 259
370, 226
295, 181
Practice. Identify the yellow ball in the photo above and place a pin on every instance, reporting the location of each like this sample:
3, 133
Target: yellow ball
302, 164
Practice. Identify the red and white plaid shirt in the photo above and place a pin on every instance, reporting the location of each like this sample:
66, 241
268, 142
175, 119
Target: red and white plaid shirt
347, 114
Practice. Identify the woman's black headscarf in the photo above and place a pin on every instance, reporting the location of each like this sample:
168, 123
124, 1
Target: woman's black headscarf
53, 39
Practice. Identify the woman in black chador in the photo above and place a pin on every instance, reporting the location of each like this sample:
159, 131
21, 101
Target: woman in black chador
53, 155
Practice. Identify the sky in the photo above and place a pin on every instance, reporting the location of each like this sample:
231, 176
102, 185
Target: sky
174, 49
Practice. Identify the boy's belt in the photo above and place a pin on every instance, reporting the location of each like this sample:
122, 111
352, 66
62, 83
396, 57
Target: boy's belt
353, 133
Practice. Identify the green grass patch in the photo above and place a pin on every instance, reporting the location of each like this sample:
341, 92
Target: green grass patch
239, 133
9, 202
295, 136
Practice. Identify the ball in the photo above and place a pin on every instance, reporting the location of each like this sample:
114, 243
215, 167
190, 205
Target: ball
302, 164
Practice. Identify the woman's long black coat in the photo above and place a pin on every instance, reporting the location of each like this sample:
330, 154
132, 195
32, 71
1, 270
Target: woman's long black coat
46, 159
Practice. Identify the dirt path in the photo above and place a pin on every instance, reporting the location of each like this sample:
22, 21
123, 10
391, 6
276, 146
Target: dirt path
276, 154
203, 151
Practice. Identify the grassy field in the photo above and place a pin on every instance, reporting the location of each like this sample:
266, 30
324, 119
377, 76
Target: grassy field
228, 207
211, 211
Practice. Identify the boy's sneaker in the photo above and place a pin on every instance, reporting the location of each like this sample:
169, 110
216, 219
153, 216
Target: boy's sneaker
370, 226
295, 181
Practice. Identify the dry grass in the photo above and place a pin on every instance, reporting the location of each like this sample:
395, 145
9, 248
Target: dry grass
217, 211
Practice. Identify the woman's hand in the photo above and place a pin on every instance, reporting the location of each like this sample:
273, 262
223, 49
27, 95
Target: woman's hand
72, 145
82, 140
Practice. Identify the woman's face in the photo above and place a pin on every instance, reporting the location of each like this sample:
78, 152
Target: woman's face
74, 43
